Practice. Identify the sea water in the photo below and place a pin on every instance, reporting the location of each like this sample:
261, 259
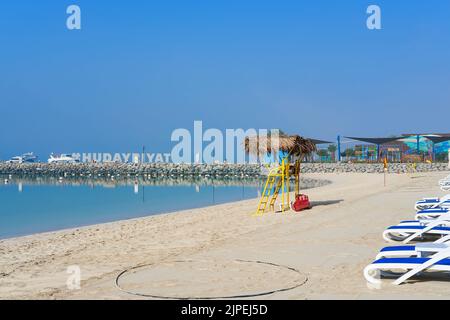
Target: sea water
29, 208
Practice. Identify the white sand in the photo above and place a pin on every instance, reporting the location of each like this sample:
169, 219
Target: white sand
330, 245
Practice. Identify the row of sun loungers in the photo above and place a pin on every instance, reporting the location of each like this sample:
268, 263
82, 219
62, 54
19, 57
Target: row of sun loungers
430, 232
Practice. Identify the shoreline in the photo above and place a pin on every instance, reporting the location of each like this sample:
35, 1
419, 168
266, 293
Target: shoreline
109, 216
330, 243
111, 223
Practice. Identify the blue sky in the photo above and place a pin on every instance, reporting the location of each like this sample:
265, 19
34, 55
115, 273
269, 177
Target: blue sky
139, 69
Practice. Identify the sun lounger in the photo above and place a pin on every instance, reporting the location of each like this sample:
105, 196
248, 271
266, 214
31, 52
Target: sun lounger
408, 267
437, 231
444, 220
444, 181
432, 213
419, 250
445, 184
430, 203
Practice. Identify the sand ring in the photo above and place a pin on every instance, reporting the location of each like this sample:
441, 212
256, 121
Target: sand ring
205, 279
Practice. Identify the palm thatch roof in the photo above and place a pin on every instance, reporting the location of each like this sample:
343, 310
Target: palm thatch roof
295, 145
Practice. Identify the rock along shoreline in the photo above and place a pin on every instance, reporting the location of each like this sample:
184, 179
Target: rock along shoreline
399, 168
124, 170
222, 171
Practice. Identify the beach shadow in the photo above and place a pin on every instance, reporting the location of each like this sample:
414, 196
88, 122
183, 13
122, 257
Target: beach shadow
325, 203
431, 276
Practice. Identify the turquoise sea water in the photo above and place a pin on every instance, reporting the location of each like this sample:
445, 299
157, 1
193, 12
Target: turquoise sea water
28, 208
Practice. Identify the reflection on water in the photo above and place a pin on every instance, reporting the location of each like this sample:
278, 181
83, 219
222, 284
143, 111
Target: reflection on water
32, 205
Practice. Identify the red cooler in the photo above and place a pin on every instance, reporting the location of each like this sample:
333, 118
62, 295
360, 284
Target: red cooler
301, 203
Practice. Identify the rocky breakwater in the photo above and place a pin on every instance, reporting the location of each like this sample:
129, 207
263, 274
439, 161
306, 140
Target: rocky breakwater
117, 170
398, 168
194, 171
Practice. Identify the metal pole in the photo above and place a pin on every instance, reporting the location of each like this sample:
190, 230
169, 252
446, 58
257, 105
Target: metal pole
418, 144
339, 147
288, 182
378, 153
283, 190
434, 153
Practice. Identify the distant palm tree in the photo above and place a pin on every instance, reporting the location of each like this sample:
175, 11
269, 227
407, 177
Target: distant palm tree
332, 149
349, 152
323, 154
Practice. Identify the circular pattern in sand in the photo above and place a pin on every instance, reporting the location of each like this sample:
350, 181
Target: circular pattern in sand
212, 279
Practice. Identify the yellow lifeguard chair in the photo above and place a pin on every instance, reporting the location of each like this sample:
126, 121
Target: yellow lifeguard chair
279, 180
279, 177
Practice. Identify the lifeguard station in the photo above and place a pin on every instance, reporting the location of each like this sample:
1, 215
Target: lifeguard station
282, 158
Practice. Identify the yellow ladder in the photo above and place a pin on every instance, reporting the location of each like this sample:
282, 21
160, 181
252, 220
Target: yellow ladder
266, 194
275, 194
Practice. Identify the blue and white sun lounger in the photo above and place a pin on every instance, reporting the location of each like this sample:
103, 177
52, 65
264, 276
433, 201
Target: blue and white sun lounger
432, 232
415, 223
445, 182
408, 267
431, 203
432, 213
420, 250
444, 217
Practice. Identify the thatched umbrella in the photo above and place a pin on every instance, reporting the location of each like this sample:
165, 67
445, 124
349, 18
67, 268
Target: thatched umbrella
294, 145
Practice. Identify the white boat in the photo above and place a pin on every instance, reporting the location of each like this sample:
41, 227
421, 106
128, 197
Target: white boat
62, 158
25, 158
16, 159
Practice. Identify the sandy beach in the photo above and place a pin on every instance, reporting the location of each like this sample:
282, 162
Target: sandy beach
212, 251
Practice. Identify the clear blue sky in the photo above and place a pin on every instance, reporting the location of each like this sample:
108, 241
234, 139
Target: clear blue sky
139, 69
